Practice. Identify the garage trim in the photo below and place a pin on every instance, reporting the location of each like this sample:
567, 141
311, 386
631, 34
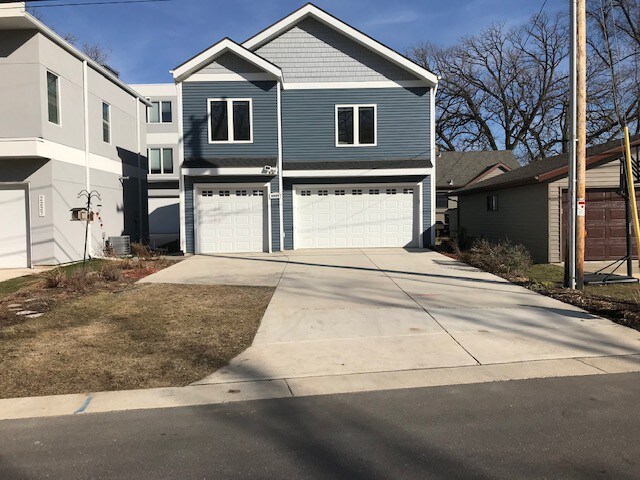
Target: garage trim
417, 202
197, 187
27, 196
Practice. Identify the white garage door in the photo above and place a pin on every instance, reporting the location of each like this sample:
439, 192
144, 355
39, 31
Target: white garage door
230, 219
360, 216
13, 234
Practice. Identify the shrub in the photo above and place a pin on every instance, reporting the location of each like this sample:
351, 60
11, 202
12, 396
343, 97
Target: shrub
109, 251
129, 264
110, 272
81, 279
54, 278
141, 250
502, 258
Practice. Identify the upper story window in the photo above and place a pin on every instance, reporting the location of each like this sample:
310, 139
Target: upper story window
106, 122
442, 200
53, 97
230, 120
356, 125
492, 203
160, 112
160, 160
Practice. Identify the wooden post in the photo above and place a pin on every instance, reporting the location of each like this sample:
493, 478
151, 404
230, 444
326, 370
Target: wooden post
581, 147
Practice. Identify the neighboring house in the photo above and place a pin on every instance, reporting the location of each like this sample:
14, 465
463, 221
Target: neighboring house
455, 170
67, 124
163, 173
308, 135
529, 205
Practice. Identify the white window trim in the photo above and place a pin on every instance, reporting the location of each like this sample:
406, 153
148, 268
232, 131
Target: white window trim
160, 102
230, 119
107, 122
356, 126
162, 173
59, 96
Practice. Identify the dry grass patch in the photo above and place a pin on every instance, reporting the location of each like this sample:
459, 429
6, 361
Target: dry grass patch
146, 336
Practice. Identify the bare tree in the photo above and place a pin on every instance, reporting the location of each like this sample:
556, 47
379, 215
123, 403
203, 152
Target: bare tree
508, 88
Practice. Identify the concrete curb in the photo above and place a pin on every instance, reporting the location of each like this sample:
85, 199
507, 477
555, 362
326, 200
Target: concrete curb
78, 404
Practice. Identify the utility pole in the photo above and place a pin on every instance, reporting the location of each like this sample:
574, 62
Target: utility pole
581, 133
570, 251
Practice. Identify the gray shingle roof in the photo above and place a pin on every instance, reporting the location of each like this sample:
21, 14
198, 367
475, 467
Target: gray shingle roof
357, 164
541, 170
230, 162
460, 168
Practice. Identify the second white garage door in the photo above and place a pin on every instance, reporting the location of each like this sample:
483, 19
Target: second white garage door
230, 219
13, 236
355, 216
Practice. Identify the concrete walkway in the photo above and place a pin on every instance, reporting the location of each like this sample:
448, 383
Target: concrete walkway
11, 273
361, 320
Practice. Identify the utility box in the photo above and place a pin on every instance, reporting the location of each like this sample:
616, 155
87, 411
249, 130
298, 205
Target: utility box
120, 245
79, 214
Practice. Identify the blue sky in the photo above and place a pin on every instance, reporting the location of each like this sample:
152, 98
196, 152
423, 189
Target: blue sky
147, 40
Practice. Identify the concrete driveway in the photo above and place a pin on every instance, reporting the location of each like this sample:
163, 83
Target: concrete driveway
346, 312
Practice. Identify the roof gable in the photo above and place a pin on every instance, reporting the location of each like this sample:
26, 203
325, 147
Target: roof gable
310, 11
224, 49
457, 169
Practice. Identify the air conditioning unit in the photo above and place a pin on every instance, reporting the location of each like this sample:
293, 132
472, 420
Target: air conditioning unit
121, 245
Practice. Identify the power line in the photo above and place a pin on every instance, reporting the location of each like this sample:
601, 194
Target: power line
537, 16
83, 4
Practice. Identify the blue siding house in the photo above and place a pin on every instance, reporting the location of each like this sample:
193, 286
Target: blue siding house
308, 135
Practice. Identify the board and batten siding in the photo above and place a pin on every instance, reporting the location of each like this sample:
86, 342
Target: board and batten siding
521, 217
309, 124
313, 52
602, 176
189, 181
287, 199
196, 122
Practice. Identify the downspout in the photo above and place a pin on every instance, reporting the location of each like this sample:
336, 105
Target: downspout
140, 216
432, 190
183, 229
87, 157
280, 172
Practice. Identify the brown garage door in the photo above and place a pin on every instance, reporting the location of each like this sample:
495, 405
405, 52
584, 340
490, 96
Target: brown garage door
605, 224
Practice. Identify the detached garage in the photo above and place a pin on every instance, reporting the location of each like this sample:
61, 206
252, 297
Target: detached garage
14, 234
528, 205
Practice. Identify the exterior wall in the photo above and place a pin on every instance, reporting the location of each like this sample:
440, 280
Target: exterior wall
189, 203
195, 118
37, 173
314, 52
20, 86
522, 217
229, 63
603, 176
309, 124
287, 199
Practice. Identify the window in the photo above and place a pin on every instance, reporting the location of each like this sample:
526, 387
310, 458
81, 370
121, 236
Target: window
106, 122
159, 112
230, 120
492, 203
161, 160
442, 200
391, 191
356, 125
53, 97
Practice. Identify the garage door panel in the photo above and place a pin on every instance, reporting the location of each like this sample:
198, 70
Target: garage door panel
361, 216
230, 220
13, 234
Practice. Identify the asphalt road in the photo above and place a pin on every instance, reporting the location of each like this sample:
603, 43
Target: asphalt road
585, 427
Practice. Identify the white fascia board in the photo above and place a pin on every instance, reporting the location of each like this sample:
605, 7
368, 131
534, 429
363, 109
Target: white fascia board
310, 10
223, 46
225, 171
387, 172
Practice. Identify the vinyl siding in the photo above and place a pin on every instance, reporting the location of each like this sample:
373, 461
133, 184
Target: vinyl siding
190, 214
427, 223
287, 197
603, 176
230, 63
265, 120
314, 52
309, 128
521, 217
